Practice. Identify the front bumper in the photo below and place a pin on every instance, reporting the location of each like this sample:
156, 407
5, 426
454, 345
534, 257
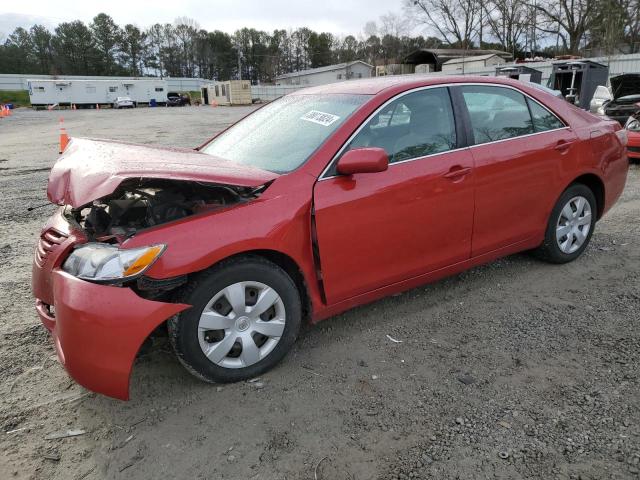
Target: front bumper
99, 329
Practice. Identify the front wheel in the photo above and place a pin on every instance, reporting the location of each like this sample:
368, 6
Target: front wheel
570, 225
245, 317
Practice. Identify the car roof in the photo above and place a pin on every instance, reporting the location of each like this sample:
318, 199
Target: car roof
373, 86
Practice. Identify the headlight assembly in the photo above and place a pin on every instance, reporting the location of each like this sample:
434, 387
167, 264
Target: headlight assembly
633, 125
104, 262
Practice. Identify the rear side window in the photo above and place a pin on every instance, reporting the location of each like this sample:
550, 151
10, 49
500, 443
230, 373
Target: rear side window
413, 126
496, 113
543, 119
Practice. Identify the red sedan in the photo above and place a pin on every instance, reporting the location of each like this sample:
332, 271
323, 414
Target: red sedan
328, 198
633, 134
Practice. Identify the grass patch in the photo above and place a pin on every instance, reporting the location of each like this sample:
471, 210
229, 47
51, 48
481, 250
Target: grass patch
17, 97
194, 94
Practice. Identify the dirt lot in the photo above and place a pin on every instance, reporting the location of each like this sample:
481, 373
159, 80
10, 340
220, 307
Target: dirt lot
514, 370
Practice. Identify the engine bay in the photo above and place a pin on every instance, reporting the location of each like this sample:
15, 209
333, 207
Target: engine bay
138, 204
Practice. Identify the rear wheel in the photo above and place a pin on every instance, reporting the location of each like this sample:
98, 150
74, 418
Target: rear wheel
246, 316
570, 225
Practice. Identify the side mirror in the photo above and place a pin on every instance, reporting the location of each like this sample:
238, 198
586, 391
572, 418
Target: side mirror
363, 160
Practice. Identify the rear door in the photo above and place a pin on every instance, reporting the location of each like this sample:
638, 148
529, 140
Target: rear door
518, 149
375, 229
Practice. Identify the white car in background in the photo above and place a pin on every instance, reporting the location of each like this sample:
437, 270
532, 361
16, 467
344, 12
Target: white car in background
600, 97
123, 102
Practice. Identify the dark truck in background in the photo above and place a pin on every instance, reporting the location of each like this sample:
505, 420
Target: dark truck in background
175, 99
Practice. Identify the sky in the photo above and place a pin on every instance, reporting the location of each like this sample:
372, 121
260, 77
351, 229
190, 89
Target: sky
340, 17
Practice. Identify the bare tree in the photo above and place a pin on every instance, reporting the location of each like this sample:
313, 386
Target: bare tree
371, 29
632, 22
507, 21
457, 21
394, 25
569, 20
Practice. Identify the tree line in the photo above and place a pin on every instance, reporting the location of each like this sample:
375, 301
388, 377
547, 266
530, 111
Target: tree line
571, 27
184, 49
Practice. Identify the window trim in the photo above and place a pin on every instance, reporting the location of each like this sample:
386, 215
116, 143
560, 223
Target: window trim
455, 95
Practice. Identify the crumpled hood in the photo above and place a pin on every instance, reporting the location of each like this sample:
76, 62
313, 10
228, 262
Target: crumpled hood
91, 169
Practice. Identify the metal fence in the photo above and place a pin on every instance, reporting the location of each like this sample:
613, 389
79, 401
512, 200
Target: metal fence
10, 81
618, 64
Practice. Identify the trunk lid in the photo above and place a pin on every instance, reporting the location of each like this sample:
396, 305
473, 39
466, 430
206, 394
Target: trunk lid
91, 169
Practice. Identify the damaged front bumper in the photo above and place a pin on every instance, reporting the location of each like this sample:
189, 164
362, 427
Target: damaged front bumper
97, 329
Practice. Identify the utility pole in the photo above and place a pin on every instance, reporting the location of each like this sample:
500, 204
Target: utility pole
531, 28
480, 30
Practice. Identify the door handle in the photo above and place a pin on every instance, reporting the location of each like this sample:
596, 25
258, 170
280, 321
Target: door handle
563, 145
457, 172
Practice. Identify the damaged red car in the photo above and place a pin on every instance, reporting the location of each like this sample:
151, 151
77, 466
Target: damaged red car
325, 199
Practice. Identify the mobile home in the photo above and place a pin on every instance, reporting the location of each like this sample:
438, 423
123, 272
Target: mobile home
231, 92
43, 92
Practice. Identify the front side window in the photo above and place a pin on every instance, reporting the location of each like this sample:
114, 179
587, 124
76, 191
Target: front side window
496, 113
113, 89
415, 125
282, 135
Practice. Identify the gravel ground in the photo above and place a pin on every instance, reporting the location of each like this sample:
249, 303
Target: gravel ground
517, 369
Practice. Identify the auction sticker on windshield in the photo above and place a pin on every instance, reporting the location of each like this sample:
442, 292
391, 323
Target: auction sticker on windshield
320, 118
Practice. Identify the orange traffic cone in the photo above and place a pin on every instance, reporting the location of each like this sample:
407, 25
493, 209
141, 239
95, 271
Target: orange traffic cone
3, 113
64, 138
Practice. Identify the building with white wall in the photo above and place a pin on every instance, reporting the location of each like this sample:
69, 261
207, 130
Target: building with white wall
18, 81
80, 92
458, 65
328, 74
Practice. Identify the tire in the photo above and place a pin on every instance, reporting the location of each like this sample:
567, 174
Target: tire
208, 293
579, 203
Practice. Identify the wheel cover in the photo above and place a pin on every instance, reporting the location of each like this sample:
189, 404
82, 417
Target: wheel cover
573, 225
241, 324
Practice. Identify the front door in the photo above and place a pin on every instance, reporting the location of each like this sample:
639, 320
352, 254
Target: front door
375, 229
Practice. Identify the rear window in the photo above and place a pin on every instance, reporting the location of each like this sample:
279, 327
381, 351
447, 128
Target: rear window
496, 113
543, 119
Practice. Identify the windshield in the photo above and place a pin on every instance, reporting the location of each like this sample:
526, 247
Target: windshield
281, 136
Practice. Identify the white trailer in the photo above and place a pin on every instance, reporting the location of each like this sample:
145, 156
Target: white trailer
92, 92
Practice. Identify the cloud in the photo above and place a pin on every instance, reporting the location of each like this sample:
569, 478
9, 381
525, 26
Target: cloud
336, 16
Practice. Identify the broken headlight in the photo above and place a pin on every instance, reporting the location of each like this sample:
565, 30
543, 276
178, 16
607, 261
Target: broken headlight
104, 262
